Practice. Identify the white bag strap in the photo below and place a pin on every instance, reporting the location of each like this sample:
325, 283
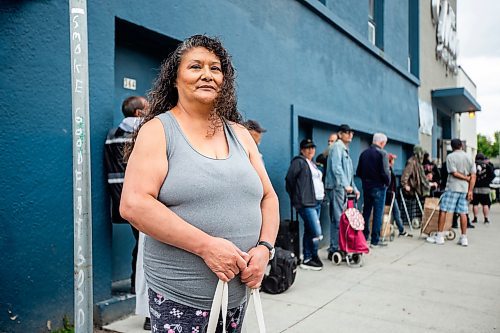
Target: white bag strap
258, 310
221, 300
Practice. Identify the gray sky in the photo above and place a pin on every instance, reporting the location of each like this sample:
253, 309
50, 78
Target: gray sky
478, 28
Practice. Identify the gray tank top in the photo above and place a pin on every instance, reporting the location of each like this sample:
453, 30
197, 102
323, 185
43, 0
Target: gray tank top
219, 196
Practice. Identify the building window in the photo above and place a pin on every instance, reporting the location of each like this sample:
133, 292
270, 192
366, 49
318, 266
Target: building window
413, 38
371, 21
376, 22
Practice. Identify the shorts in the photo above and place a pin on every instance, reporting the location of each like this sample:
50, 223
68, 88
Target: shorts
454, 202
171, 317
481, 198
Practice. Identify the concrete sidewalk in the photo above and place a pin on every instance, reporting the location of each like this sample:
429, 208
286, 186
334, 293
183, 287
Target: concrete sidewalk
410, 286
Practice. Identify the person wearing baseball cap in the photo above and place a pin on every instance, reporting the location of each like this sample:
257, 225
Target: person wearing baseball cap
306, 191
339, 182
255, 130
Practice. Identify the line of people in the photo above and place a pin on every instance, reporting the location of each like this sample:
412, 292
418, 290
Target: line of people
331, 178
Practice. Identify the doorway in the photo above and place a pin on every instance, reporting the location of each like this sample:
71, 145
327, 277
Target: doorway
138, 56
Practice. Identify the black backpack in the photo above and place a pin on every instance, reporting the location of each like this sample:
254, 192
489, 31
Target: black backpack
282, 273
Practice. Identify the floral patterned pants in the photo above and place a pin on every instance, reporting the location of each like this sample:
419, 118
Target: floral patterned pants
171, 317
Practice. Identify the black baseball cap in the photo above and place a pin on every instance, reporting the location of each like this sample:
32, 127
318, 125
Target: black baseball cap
345, 128
307, 143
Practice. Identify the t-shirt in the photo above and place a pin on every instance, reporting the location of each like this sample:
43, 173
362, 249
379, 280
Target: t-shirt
317, 175
458, 161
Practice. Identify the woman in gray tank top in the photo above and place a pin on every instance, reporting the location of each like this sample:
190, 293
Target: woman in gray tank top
196, 186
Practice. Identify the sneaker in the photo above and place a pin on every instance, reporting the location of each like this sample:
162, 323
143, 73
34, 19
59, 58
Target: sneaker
436, 239
379, 245
317, 260
405, 234
470, 226
486, 221
311, 265
463, 240
147, 324
474, 220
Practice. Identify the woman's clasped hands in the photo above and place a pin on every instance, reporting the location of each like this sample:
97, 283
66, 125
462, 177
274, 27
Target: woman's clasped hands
226, 260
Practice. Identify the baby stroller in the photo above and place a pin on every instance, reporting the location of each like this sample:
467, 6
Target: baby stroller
352, 242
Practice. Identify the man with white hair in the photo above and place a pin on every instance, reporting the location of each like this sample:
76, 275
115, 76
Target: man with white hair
373, 169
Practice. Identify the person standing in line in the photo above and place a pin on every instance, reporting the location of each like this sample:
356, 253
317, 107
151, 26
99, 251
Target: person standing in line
255, 130
304, 185
391, 194
481, 192
322, 159
413, 179
196, 186
134, 108
339, 182
373, 169
461, 180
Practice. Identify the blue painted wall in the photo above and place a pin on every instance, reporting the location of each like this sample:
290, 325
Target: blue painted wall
286, 53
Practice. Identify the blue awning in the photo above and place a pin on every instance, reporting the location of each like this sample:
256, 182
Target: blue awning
457, 100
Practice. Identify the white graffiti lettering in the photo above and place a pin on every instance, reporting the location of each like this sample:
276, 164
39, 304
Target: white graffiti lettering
81, 318
79, 205
80, 258
78, 86
81, 297
76, 67
80, 279
75, 21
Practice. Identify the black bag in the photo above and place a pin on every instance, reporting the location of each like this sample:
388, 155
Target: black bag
282, 273
288, 235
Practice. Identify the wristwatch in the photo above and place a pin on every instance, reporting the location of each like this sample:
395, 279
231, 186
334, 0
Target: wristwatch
269, 247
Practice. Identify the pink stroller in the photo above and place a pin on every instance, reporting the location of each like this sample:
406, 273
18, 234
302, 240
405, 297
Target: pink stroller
352, 242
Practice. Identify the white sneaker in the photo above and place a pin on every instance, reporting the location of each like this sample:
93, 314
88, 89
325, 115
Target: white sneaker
463, 240
436, 239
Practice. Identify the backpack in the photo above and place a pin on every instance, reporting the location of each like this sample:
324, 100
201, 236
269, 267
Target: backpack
282, 273
484, 174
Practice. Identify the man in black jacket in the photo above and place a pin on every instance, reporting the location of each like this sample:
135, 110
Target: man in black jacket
373, 169
481, 192
133, 109
304, 185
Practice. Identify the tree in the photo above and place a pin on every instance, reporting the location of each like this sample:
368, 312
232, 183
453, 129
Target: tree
486, 146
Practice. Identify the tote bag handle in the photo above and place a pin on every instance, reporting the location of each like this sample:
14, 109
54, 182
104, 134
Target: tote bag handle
220, 302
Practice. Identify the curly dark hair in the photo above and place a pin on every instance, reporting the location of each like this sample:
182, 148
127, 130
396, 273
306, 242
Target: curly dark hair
164, 96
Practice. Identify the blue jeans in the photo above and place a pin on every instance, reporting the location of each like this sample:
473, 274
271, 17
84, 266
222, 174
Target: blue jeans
337, 201
312, 230
396, 213
373, 198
